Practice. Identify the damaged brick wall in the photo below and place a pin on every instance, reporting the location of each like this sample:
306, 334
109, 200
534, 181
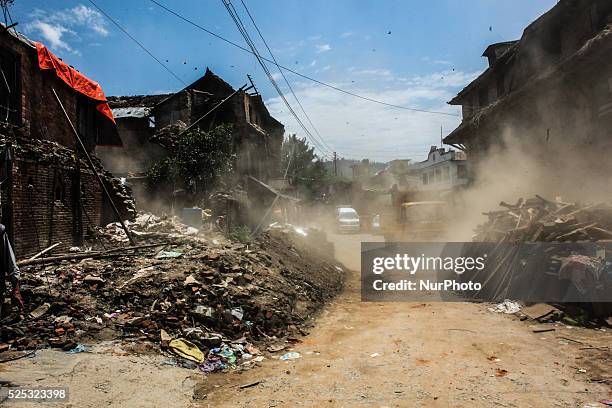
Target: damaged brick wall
40, 200
46, 208
35, 87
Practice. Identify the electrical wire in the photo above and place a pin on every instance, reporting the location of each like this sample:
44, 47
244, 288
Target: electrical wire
281, 67
285, 77
144, 48
138, 43
191, 22
236, 18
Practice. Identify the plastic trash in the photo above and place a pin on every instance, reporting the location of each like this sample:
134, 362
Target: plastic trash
228, 354
168, 254
79, 348
292, 355
186, 349
507, 307
213, 364
238, 313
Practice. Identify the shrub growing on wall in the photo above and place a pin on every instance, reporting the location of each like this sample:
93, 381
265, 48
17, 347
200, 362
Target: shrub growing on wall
198, 161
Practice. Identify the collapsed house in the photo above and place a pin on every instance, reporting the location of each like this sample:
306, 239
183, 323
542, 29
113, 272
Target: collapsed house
549, 91
49, 194
257, 136
136, 126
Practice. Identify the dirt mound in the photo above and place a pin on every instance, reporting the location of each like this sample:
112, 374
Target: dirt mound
209, 290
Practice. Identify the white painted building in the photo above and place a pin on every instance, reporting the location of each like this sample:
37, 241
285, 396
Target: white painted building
443, 170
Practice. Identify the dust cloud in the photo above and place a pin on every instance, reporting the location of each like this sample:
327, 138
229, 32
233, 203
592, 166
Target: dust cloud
564, 169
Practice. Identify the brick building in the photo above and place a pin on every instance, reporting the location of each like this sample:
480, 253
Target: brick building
257, 135
48, 193
144, 123
550, 91
136, 125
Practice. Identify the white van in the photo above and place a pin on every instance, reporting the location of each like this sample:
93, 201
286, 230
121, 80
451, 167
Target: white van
347, 220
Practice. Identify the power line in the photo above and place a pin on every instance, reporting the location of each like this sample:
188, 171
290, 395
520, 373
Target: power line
121, 28
284, 77
234, 13
139, 43
108, 16
295, 72
236, 18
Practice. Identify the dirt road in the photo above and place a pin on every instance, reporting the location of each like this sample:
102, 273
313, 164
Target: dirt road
359, 354
414, 354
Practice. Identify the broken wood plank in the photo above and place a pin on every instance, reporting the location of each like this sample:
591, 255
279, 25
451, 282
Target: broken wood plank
602, 230
251, 384
577, 230
93, 254
543, 330
44, 251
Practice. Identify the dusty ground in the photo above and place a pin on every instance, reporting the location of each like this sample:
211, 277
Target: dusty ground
359, 354
414, 354
106, 376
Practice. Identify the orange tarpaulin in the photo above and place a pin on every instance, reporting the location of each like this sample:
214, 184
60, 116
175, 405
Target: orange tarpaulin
74, 79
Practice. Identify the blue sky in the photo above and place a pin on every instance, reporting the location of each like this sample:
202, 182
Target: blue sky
411, 53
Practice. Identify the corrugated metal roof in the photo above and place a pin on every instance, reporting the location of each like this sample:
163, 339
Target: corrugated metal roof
132, 112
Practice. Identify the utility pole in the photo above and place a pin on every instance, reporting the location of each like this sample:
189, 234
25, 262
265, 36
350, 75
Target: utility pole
335, 165
441, 138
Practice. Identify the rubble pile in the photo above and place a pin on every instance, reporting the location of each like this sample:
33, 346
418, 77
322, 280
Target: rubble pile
148, 227
538, 270
208, 293
540, 220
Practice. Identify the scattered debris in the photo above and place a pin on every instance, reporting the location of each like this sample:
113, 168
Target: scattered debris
243, 386
186, 349
276, 348
500, 372
292, 355
40, 310
542, 330
507, 306
168, 254
79, 348
165, 339
210, 306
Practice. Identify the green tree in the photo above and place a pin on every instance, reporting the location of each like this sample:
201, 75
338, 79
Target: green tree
197, 162
305, 170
